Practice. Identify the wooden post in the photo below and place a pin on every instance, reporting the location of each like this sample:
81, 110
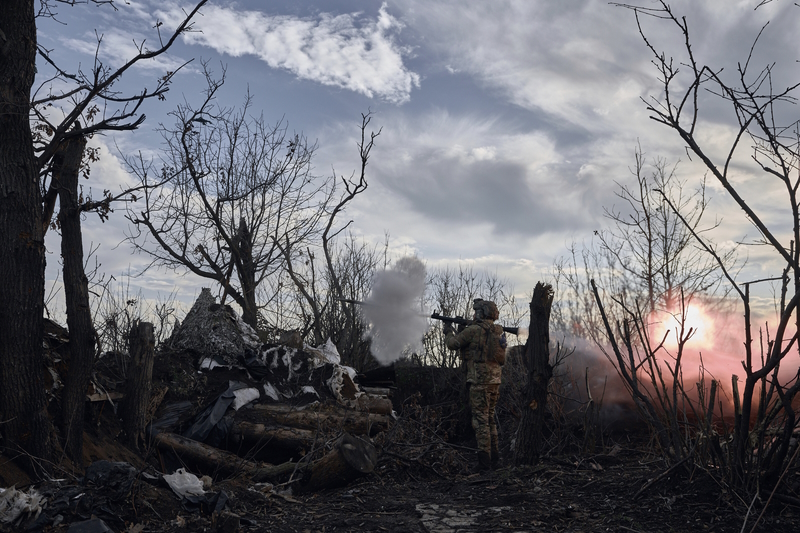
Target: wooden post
537, 353
137, 387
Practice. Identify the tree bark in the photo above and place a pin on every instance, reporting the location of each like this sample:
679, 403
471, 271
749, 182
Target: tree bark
140, 379
284, 437
537, 353
360, 423
23, 407
66, 167
214, 460
247, 274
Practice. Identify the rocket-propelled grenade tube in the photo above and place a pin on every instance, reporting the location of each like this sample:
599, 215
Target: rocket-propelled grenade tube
466, 322
437, 316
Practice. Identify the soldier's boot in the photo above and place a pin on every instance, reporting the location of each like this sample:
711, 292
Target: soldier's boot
495, 456
484, 462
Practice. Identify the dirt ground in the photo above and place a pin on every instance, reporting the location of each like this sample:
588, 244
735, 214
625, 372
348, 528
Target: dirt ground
603, 493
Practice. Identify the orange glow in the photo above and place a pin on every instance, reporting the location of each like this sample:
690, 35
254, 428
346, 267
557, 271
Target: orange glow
697, 319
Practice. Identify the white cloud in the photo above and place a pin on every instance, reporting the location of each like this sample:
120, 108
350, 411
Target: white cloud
347, 51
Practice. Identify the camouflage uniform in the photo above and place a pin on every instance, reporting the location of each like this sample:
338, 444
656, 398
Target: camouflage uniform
484, 378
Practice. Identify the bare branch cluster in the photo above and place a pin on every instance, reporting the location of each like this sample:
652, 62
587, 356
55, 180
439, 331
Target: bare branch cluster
765, 132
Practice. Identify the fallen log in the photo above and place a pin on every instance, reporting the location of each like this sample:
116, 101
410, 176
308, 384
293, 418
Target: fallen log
284, 437
325, 416
350, 458
377, 391
215, 460
374, 404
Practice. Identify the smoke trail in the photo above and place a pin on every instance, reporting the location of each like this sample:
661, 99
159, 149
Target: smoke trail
395, 323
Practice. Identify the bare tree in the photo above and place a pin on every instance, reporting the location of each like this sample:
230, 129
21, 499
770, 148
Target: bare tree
229, 192
346, 273
650, 270
764, 129
86, 102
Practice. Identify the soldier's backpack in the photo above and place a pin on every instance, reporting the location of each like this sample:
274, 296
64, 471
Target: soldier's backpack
494, 348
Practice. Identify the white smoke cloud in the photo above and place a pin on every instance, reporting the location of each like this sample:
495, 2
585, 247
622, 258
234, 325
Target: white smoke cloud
396, 324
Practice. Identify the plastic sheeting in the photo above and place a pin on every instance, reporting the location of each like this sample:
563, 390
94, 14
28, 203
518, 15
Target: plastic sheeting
16, 503
186, 485
211, 417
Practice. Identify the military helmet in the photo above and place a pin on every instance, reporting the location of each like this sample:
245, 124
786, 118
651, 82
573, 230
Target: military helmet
488, 308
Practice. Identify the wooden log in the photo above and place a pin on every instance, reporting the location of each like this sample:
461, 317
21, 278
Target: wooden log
140, 377
377, 391
350, 458
215, 460
104, 396
284, 437
325, 416
374, 404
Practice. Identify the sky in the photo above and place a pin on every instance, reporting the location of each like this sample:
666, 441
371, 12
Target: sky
505, 125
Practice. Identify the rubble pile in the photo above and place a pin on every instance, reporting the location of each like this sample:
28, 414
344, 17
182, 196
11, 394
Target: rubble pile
224, 405
275, 403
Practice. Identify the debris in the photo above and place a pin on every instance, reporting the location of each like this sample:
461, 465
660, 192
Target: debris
214, 330
225, 522
16, 503
93, 525
244, 396
210, 418
350, 458
116, 478
185, 484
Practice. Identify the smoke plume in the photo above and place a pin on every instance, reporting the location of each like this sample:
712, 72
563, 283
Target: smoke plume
392, 309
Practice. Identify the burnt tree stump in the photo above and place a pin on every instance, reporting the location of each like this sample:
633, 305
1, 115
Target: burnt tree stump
136, 402
537, 356
350, 458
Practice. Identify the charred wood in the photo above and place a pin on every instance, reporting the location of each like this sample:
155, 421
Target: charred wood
350, 458
325, 417
284, 437
214, 460
135, 404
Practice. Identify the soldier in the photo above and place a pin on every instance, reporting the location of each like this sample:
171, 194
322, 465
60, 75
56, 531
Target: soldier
483, 345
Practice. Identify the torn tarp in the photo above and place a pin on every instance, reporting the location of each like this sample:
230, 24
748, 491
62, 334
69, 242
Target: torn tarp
212, 416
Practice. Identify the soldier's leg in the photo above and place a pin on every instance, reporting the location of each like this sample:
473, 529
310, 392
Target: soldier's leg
479, 402
493, 393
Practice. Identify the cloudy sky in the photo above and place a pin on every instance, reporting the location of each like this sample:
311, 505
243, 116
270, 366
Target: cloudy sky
505, 124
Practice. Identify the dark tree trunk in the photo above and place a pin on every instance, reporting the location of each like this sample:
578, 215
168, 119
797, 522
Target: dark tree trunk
66, 166
537, 354
140, 378
247, 275
23, 407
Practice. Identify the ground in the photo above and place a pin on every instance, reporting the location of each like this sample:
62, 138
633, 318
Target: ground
422, 483
609, 492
